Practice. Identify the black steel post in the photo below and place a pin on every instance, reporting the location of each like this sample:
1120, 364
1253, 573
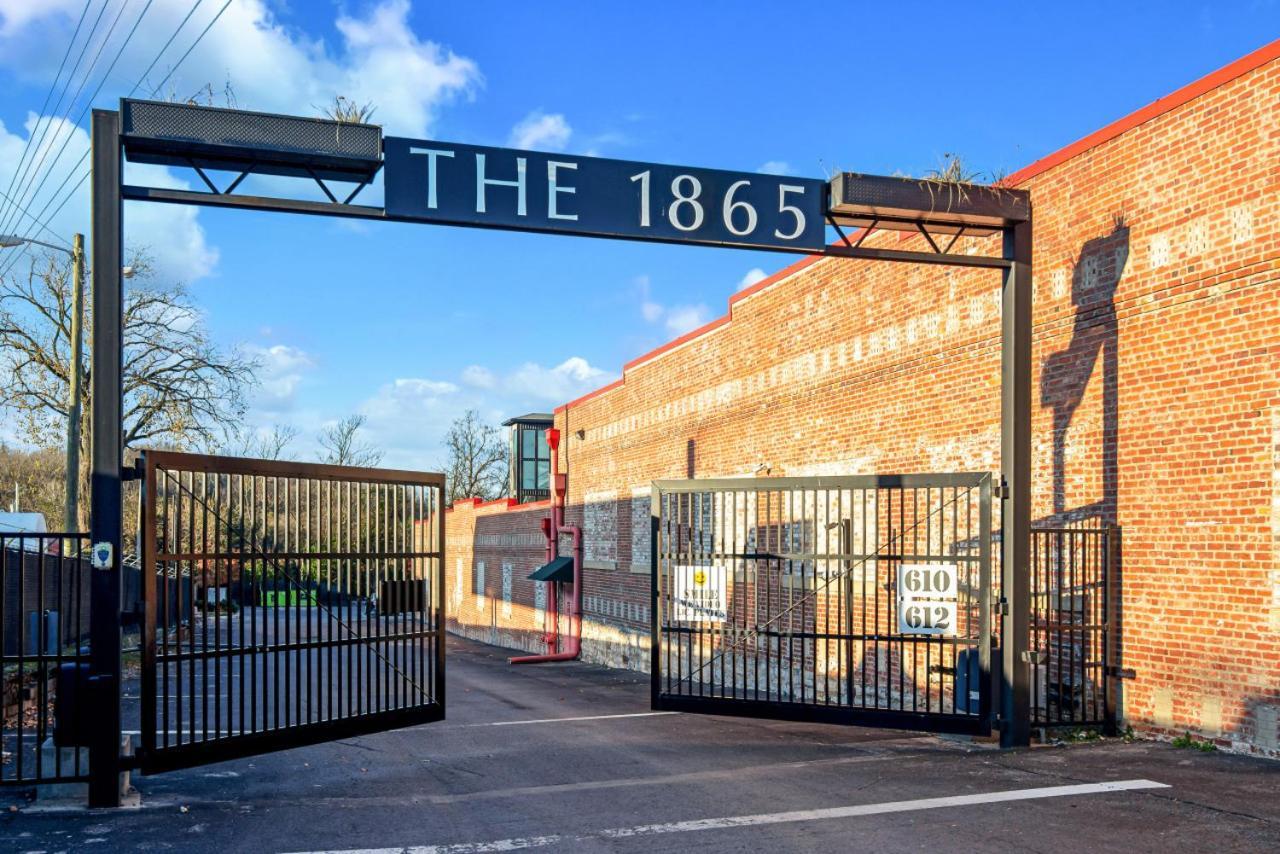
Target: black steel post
105, 509
1015, 462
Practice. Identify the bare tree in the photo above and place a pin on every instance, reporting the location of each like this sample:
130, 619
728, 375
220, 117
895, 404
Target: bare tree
180, 389
272, 445
342, 447
477, 466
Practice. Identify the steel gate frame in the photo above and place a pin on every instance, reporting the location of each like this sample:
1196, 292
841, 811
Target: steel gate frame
801, 533
398, 700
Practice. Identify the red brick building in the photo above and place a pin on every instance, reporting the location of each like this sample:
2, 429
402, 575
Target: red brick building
1157, 360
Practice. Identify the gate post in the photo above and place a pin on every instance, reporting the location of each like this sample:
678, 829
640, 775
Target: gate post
1015, 506
105, 509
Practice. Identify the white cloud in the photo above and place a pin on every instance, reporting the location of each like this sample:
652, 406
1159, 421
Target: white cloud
557, 385
755, 274
775, 167
408, 418
478, 376
678, 319
543, 131
685, 318
281, 371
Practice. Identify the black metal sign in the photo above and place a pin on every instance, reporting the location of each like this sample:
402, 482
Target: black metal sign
538, 191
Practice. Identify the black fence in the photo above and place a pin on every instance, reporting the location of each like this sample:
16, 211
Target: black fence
845, 599
286, 604
1073, 627
44, 620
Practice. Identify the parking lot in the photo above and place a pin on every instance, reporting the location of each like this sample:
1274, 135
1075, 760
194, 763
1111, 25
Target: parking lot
569, 757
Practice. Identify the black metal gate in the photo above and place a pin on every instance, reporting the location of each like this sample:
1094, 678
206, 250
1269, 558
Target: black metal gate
286, 604
863, 599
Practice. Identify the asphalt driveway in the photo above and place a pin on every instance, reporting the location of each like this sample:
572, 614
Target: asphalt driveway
569, 757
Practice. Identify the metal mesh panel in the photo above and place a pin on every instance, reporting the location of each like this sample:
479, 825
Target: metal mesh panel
243, 129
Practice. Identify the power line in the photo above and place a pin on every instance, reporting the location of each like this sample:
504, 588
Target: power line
48, 123
43, 225
85, 175
66, 139
48, 95
88, 104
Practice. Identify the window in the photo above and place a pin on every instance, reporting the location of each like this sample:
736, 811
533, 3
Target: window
531, 469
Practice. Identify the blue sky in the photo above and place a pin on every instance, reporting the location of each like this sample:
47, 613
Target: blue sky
411, 324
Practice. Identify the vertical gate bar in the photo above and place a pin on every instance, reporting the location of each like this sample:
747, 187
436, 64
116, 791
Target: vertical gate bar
1073, 600
258, 597
6, 543
21, 724
985, 665
218, 565
240, 641
304, 581
203, 497
438, 640
934, 640
272, 664
1055, 626
149, 565
326, 487
1110, 580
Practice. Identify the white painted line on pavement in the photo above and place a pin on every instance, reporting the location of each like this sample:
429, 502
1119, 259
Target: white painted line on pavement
564, 720
759, 819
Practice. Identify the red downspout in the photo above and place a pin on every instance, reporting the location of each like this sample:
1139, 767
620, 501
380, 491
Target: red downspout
552, 532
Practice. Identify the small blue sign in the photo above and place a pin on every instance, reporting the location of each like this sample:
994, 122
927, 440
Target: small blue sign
428, 181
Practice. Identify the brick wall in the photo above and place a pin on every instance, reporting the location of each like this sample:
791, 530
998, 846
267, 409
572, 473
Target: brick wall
1157, 359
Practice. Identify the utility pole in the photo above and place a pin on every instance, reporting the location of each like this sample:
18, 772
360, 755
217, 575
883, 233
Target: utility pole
71, 515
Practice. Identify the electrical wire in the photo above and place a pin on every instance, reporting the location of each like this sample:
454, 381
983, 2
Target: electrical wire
66, 140
85, 175
45, 106
48, 123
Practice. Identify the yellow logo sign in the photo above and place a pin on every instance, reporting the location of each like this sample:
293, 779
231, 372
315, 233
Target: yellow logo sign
699, 577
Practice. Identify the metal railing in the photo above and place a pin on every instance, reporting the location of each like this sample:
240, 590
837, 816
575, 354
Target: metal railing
44, 618
1073, 626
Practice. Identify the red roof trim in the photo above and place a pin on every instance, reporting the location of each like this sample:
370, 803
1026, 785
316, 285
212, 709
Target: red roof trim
1155, 109
504, 503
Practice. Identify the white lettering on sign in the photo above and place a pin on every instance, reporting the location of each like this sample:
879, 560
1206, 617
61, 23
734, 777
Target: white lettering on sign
927, 594
554, 189
699, 594
432, 154
519, 183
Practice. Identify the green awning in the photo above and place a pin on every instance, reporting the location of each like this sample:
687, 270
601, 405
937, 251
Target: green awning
560, 569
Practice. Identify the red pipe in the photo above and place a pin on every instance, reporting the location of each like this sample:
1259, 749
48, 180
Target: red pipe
553, 532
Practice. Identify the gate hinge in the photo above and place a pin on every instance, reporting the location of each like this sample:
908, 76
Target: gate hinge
1032, 656
1122, 672
1002, 607
133, 472
1002, 491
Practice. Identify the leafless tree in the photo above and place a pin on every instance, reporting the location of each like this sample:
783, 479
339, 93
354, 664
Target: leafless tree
272, 445
477, 466
342, 446
180, 389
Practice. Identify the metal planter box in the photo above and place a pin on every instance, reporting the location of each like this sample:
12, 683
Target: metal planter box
239, 140
940, 206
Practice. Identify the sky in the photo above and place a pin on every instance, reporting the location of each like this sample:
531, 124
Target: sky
410, 325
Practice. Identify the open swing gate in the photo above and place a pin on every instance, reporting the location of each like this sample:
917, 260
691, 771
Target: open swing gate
862, 599
285, 604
